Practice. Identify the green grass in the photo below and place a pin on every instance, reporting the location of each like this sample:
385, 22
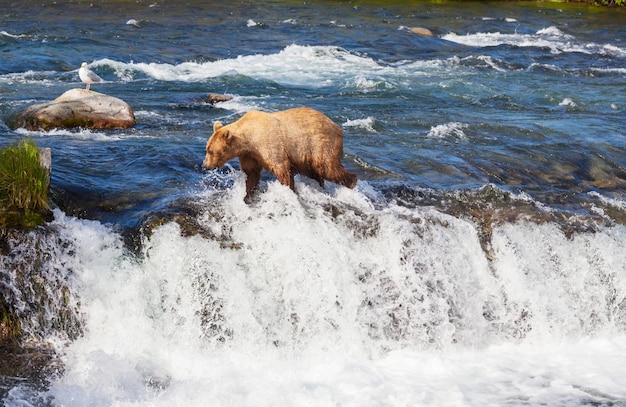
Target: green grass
23, 184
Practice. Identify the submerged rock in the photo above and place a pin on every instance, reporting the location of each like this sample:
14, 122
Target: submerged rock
76, 108
213, 98
421, 31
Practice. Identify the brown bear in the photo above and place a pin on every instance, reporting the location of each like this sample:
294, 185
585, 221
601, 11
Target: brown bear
300, 140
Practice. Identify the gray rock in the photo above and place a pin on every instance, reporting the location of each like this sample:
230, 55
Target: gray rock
76, 108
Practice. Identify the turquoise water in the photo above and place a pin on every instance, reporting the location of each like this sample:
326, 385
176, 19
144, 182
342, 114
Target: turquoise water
479, 261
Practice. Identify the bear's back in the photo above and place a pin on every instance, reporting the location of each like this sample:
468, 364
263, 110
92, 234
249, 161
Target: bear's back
297, 124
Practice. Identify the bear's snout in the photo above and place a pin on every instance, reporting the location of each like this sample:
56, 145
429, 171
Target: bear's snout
207, 164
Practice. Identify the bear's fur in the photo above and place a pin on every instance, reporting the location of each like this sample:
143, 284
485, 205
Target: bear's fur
300, 140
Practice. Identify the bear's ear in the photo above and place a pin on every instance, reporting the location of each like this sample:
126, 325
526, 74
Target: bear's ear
217, 126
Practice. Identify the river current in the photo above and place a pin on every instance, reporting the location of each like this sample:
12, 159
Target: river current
479, 261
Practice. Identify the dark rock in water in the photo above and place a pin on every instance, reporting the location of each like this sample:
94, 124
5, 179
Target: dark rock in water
192, 216
76, 108
32, 365
213, 98
186, 213
10, 329
202, 102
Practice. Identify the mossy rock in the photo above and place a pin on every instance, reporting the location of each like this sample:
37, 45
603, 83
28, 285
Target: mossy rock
22, 219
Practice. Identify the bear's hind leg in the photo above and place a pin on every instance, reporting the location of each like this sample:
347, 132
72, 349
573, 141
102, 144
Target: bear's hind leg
284, 176
309, 172
317, 178
348, 179
341, 176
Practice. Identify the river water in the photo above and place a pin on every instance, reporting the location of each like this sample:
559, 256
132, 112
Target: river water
479, 261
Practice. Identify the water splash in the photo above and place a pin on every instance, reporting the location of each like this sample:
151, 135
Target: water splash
275, 293
452, 129
38, 281
346, 282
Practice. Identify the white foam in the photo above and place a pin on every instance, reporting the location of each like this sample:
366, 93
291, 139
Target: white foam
303, 304
616, 202
295, 65
80, 133
365, 84
337, 68
133, 22
366, 124
242, 104
568, 102
85, 134
550, 37
452, 129
553, 31
6, 34
620, 71
613, 50
30, 77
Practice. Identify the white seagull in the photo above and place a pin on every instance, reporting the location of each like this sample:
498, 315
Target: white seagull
88, 76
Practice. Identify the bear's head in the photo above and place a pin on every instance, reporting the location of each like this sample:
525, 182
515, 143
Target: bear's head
218, 148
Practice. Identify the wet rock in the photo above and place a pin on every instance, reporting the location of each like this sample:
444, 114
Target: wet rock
9, 324
213, 98
193, 218
421, 31
23, 219
490, 206
30, 365
76, 108
202, 102
35, 297
35, 303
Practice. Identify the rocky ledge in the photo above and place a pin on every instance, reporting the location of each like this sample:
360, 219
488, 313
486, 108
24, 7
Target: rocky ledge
76, 108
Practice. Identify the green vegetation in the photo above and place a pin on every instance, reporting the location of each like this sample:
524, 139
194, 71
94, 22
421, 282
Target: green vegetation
618, 3
23, 186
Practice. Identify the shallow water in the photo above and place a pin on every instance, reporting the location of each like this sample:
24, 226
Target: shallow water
479, 261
